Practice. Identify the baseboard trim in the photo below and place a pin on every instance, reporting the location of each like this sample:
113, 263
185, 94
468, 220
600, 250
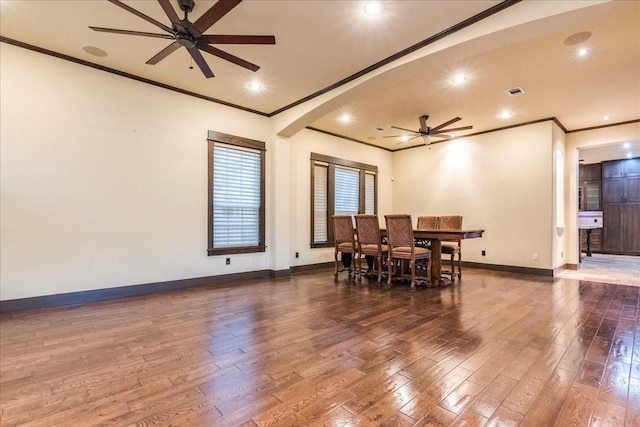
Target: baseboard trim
509, 268
279, 273
84, 297
311, 267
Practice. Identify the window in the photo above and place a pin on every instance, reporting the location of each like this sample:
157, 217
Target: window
339, 187
236, 194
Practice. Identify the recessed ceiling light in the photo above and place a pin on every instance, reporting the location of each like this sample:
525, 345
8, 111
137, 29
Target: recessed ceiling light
626, 145
458, 79
373, 8
345, 118
583, 51
404, 138
95, 51
629, 155
606, 117
255, 86
505, 114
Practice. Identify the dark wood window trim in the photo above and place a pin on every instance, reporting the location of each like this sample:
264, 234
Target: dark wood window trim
240, 142
331, 163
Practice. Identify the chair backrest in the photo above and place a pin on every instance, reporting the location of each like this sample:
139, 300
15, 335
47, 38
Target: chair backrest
343, 228
427, 222
450, 222
399, 230
368, 229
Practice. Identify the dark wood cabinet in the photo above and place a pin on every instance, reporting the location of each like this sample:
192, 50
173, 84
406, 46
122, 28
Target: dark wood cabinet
590, 187
590, 200
621, 206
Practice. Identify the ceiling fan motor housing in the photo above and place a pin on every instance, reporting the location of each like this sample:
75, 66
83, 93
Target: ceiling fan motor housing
186, 5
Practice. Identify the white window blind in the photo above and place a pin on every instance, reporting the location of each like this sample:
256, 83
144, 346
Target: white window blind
369, 193
236, 196
347, 191
320, 206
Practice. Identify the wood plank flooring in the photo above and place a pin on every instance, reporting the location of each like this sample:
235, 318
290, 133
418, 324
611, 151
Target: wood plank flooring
496, 349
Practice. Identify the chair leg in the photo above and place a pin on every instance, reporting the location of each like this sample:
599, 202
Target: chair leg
360, 269
459, 264
379, 261
389, 265
412, 265
453, 266
335, 265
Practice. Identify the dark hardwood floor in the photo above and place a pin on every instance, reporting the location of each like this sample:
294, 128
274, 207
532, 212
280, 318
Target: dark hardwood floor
496, 349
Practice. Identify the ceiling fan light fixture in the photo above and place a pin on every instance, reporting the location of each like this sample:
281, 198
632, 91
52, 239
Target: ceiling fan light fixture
185, 40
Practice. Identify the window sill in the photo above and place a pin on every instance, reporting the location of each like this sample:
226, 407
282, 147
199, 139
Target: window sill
237, 250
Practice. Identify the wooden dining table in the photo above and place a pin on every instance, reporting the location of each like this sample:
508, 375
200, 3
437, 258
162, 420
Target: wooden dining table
435, 237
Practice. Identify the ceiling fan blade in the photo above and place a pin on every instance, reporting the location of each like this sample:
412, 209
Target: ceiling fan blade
132, 33
163, 53
407, 140
394, 136
170, 11
445, 124
408, 130
237, 39
451, 130
213, 15
142, 15
231, 58
204, 67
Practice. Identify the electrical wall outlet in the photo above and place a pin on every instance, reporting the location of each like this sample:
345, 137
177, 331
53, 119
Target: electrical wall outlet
297, 254
535, 256
484, 253
228, 261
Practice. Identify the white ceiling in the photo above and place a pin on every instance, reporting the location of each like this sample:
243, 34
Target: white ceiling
321, 43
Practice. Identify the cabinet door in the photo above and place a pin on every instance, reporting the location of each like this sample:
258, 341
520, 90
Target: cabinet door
613, 169
612, 227
632, 167
591, 172
632, 189
631, 227
613, 190
592, 196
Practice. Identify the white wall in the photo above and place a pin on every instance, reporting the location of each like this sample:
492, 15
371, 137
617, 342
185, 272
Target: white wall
104, 179
558, 230
302, 145
104, 183
501, 182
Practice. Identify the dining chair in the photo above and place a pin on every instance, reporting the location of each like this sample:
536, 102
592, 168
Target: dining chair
402, 246
369, 242
427, 222
344, 244
454, 247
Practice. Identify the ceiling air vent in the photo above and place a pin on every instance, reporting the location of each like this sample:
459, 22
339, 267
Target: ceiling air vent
515, 91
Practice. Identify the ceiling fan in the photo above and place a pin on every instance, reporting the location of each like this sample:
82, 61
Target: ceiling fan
425, 131
190, 35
